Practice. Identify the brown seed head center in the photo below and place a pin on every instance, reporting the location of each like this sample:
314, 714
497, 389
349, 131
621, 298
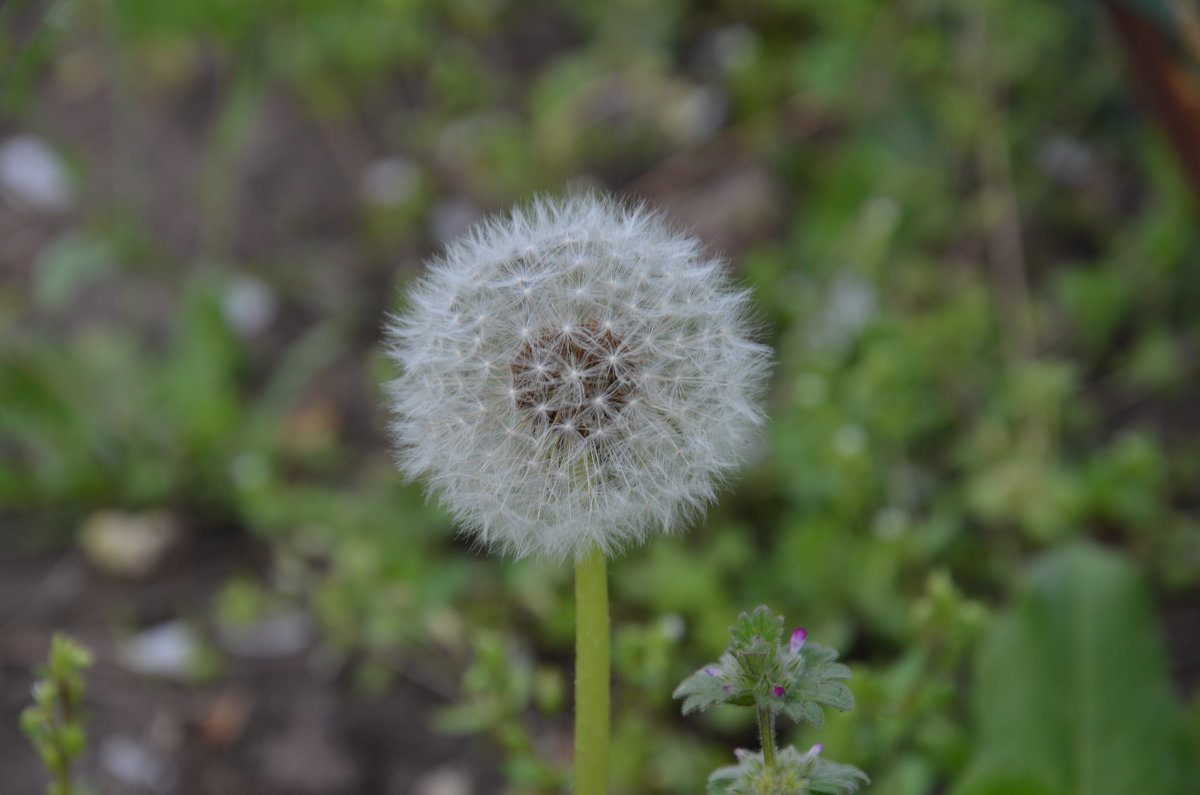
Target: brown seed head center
575, 379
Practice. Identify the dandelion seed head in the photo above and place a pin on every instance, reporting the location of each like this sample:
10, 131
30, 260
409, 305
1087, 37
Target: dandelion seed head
574, 374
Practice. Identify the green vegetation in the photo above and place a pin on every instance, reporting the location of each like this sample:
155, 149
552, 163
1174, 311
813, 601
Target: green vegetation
979, 266
54, 723
797, 679
1071, 680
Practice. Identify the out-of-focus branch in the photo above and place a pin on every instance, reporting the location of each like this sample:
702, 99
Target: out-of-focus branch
1170, 89
1187, 18
1000, 212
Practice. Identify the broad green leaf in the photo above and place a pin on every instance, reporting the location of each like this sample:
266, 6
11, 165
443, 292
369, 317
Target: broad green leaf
1072, 692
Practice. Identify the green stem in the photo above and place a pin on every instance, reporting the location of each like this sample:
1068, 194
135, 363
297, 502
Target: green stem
62, 719
62, 777
766, 729
591, 675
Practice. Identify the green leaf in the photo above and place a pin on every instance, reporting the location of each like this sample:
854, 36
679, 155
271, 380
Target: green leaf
73, 740
699, 692
31, 722
753, 630
67, 657
805, 711
834, 778
794, 773
836, 695
706, 687
67, 265
1072, 692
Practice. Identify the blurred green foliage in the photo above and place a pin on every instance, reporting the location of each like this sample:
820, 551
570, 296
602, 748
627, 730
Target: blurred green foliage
980, 271
54, 722
1073, 692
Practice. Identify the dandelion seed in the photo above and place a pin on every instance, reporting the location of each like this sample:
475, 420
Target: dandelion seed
626, 419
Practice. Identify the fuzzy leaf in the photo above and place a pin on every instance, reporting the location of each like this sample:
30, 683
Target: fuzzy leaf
794, 774
836, 695
834, 778
815, 655
805, 712
756, 630
815, 681
701, 690
829, 670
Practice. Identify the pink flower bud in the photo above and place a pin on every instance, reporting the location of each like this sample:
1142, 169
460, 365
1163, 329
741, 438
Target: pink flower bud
779, 691
713, 671
798, 639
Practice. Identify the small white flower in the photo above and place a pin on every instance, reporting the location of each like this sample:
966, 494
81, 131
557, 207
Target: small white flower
575, 374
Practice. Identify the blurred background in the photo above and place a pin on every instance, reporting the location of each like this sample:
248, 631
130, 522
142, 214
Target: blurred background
976, 251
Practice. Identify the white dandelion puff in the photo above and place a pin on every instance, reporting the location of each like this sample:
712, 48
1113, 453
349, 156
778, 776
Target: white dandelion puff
574, 375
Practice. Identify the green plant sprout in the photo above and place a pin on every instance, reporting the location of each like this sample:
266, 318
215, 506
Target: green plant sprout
54, 722
796, 678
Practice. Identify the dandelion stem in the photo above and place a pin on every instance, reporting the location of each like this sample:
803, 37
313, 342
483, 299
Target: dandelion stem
591, 675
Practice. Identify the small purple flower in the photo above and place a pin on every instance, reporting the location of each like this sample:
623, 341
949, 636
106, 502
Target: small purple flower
815, 750
798, 639
728, 688
713, 671
779, 691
